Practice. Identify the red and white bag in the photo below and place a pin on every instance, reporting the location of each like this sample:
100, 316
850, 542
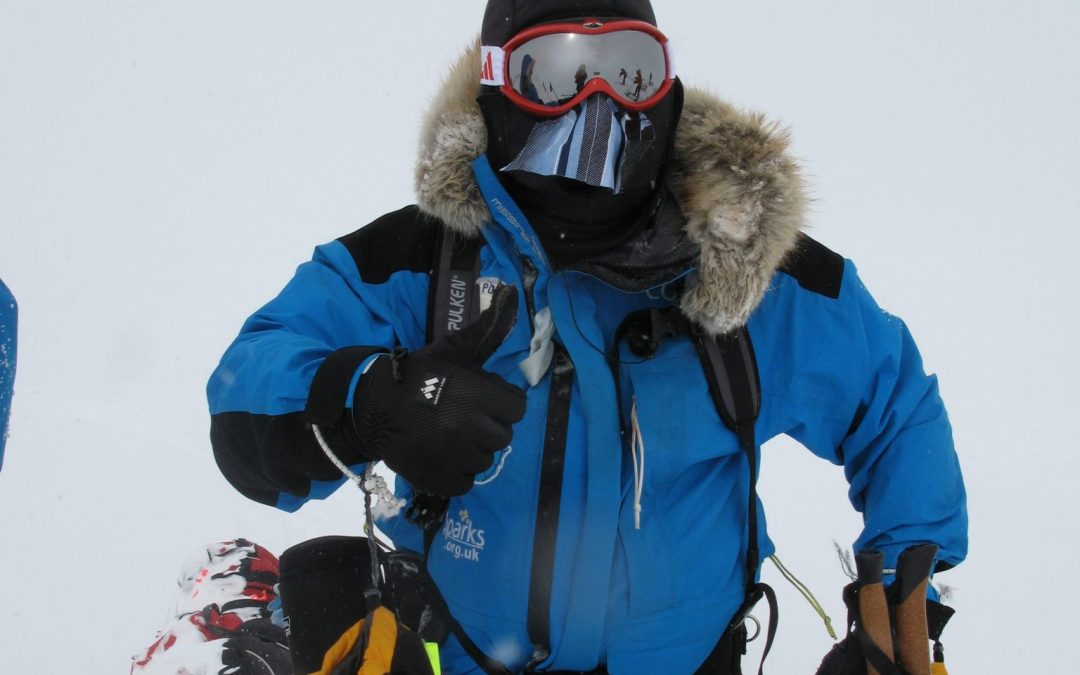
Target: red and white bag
221, 624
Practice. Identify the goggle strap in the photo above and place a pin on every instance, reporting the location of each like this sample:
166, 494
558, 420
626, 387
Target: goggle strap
492, 66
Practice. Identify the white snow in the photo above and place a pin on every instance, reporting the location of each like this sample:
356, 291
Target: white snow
165, 166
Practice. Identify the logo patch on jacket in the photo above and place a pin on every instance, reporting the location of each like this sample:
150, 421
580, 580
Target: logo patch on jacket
487, 287
431, 390
464, 541
458, 301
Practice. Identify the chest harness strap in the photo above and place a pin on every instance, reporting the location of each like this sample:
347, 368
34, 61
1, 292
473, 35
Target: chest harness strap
453, 303
731, 372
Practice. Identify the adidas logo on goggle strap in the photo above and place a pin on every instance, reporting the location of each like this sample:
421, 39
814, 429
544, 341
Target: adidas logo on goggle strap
493, 61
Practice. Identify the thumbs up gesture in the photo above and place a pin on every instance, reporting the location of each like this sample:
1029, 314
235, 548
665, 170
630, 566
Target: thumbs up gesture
435, 416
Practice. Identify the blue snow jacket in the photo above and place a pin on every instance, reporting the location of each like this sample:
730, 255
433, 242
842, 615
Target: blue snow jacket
9, 318
838, 374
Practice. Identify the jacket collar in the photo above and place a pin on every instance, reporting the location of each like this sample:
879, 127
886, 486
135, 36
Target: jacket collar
743, 199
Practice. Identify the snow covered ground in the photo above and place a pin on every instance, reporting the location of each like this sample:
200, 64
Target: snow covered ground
164, 166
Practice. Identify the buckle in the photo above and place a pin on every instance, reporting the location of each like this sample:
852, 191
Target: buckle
427, 510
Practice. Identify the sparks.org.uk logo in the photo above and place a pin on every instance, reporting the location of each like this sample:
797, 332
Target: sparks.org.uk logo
431, 390
463, 539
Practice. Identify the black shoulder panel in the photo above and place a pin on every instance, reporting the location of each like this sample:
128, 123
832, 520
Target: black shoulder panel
398, 241
815, 267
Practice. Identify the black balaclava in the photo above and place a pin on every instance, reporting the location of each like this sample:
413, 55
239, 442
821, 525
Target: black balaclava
573, 220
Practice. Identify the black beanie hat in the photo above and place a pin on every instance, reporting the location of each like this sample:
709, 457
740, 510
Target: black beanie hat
558, 207
504, 19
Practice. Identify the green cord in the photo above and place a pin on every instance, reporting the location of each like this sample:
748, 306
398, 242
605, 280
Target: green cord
801, 587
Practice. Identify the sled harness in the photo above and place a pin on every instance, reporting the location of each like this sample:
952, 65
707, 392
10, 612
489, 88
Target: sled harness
731, 372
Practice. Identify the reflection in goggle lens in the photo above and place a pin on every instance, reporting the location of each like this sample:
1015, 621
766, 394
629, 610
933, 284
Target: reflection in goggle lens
551, 69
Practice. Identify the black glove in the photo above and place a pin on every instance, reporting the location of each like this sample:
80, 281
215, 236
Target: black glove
436, 417
255, 651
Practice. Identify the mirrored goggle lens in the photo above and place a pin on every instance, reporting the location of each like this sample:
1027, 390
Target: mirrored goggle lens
551, 69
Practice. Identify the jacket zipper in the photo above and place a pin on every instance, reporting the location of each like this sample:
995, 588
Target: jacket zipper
528, 280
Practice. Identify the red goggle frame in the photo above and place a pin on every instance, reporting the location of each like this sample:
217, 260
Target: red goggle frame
549, 69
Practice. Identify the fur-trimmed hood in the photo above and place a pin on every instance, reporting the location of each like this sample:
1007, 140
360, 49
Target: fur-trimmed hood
743, 198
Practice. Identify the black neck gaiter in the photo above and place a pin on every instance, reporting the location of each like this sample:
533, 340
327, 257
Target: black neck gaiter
576, 221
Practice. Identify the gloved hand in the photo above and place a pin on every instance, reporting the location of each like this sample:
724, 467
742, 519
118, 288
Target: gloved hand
258, 647
435, 416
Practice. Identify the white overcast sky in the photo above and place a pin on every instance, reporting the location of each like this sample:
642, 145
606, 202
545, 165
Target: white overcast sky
165, 165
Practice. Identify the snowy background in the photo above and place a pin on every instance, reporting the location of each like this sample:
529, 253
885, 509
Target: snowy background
164, 166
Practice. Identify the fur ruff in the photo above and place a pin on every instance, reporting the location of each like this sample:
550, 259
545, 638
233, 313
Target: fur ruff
743, 198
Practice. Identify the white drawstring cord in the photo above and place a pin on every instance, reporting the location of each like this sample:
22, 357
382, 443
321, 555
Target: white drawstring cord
369, 483
637, 451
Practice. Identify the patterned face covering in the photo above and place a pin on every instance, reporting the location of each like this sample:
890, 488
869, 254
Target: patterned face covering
597, 143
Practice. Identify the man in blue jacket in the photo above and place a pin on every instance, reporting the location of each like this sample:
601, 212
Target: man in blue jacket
582, 474
9, 315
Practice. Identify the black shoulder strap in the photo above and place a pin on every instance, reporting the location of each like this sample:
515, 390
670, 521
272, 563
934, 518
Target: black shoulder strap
453, 303
453, 296
731, 370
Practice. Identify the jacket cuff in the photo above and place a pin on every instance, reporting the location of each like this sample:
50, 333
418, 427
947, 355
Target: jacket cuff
330, 390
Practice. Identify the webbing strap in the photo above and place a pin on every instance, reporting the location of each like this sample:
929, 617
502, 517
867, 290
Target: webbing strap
454, 297
766, 591
453, 303
549, 501
732, 375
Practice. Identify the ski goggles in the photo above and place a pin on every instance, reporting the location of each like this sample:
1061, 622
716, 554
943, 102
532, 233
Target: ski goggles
551, 68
